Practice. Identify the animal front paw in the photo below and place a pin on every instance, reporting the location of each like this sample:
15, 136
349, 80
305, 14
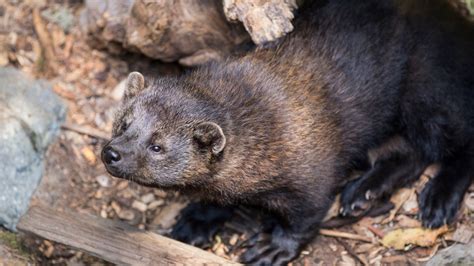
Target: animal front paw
271, 248
198, 223
357, 199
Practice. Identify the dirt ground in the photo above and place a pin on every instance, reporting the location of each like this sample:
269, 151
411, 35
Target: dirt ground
74, 179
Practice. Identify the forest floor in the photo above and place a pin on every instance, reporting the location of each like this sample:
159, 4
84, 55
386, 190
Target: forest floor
74, 179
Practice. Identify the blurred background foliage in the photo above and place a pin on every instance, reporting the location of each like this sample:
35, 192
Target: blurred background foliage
470, 6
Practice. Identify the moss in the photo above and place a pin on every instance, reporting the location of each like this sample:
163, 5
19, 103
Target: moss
12, 241
9, 239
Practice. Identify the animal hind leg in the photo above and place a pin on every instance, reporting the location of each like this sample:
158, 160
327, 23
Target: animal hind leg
440, 199
394, 165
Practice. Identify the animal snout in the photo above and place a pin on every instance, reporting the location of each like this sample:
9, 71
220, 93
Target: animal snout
110, 155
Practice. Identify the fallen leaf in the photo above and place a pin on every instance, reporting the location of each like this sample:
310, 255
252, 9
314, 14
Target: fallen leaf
376, 231
424, 179
122, 185
376, 260
127, 215
346, 260
155, 204
99, 194
407, 222
334, 210
219, 248
116, 207
375, 252
362, 227
398, 199
160, 193
400, 238
411, 204
138, 205
396, 260
89, 155
463, 234
431, 255
147, 198
363, 248
49, 250
233, 240
167, 215
58, 89
470, 201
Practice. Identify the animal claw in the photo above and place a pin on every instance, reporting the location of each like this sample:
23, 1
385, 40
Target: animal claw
342, 212
368, 195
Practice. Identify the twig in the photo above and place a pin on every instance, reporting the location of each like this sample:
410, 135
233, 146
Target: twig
394, 260
44, 39
376, 231
398, 206
334, 233
433, 252
86, 131
352, 252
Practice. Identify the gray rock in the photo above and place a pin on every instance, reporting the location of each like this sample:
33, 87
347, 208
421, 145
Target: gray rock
459, 254
30, 117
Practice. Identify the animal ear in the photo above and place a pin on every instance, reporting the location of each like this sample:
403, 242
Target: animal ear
211, 135
135, 83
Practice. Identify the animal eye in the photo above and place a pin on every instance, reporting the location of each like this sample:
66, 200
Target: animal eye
155, 148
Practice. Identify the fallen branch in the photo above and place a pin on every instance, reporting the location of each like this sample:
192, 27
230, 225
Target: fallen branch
352, 252
113, 241
47, 48
264, 20
376, 231
333, 233
433, 252
85, 130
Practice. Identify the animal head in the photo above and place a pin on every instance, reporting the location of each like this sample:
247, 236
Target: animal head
163, 136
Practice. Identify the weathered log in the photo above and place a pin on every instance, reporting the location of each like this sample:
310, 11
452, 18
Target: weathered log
264, 20
191, 32
113, 241
105, 22
194, 31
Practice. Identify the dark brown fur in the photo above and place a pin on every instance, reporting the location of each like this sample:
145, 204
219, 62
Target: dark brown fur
282, 128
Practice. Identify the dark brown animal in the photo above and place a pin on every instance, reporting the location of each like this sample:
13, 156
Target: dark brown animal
281, 128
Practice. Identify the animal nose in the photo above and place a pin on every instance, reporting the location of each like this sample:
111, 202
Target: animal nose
109, 155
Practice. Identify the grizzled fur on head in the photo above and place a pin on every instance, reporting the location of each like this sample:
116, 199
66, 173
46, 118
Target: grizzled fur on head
157, 136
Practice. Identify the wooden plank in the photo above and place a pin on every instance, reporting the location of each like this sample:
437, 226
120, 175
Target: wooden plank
113, 241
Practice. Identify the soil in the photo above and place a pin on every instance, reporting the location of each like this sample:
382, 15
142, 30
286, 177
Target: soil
75, 179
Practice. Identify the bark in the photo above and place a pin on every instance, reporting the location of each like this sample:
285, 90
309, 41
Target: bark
191, 32
264, 20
